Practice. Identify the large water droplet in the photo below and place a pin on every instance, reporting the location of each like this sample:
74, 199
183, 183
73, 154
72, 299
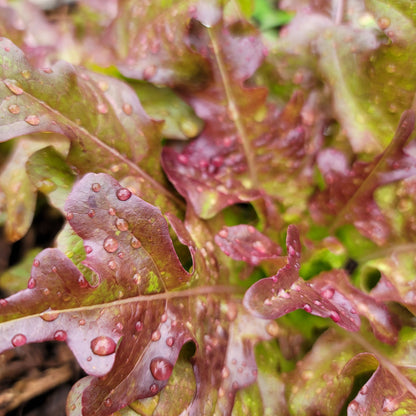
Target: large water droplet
49, 315
14, 109
135, 243
334, 316
13, 87
19, 340
110, 245
161, 368
103, 345
156, 335
122, 224
123, 194
60, 335
33, 120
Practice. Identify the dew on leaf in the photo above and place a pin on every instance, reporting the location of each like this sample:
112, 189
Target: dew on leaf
334, 316
82, 282
103, 346
49, 315
112, 211
60, 335
156, 335
139, 326
164, 317
110, 245
69, 216
81, 322
89, 358
88, 249
328, 293
96, 187
135, 243
13, 87
108, 402
122, 224
170, 341
54, 269
154, 388
14, 109
307, 308
225, 372
102, 108
33, 120
127, 108
121, 255
31, 283
91, 213
36, 263
112, 265
259, 246
123, 194
161, 368
26, 74
19, 340
223, 233
390, 405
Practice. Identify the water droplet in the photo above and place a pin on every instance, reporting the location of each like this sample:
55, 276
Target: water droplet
49, 315
26, 74
31, 283
112, 265
259, 246
103, 346
156, 335
183, 159
170, 341
60, 335
154, 388
112, 211
164, 317
88, 249
122, 224
127, 108
383, 23
223, 233
13, 87
328, 293
89, 358
135, 243
161, 368
307, 308
14, 109
82, 282
334, 316
91, 213
390, 405
225, 372
96, 187
32, 120
3, 302
110, 245
149, 72
36, 263
19, 340
47, 70
108, 402
139, 326
81, 322
102, 108
364, 390
103, 86
123, 194
272, 328
54, 269
69, 216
